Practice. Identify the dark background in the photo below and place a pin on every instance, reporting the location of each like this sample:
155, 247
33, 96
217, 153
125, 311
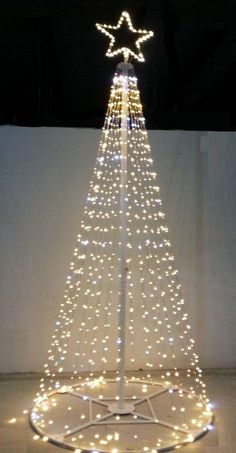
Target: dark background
54, 71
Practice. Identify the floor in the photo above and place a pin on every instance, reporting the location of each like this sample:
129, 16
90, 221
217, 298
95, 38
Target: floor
17, 393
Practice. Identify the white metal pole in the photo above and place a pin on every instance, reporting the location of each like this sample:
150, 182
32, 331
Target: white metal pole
123, 267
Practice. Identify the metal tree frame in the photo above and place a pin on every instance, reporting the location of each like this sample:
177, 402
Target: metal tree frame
122, 409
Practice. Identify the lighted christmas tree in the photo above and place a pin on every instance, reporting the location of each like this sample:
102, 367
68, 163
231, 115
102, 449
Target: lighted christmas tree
122, 332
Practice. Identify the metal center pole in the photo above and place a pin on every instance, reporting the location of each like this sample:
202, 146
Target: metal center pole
123, 267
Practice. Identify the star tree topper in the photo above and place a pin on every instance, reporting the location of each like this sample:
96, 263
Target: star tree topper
143, 35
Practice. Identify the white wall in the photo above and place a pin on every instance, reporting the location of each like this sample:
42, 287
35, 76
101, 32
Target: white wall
44, 179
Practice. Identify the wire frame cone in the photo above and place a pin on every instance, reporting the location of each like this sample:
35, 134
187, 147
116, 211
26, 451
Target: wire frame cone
150, 395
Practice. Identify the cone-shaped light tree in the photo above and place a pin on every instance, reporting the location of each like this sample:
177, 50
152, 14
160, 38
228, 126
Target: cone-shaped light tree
122, 332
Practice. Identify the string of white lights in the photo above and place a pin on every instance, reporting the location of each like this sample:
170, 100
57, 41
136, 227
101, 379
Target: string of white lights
148, 189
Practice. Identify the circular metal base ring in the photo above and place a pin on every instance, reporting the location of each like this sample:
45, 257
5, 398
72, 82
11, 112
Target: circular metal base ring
131, 421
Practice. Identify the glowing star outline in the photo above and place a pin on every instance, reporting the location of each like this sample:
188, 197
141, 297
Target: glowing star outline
145, 34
